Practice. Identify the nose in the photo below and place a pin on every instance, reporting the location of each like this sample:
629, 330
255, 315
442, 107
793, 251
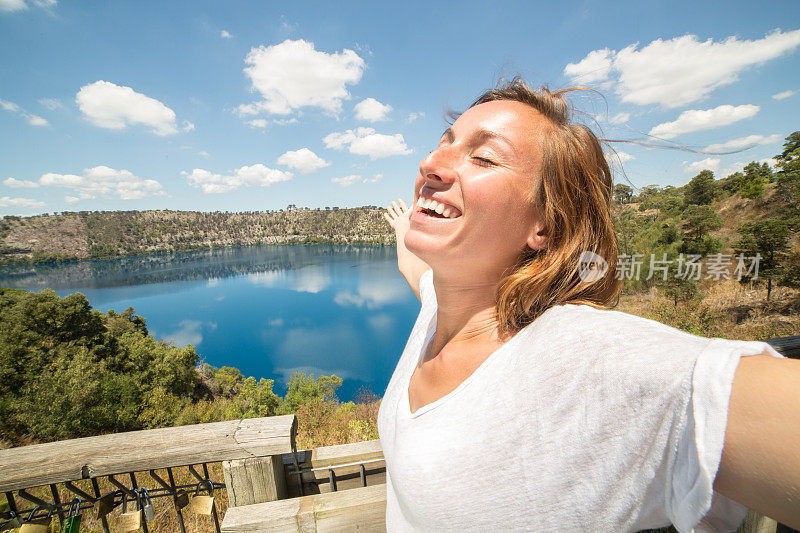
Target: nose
438, 167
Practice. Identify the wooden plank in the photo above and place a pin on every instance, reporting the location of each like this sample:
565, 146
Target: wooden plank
786, 346
362, 509
254, 480
757, 523
338, 454
133, 451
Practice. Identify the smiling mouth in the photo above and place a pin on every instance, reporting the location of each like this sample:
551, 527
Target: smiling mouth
435, 209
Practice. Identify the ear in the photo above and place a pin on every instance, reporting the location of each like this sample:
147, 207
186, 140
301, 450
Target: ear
538, 236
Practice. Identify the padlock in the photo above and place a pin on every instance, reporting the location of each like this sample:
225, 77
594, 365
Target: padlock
106, 504
14, 521
40, 525
203, 504
147, 506
181, 498
72, 522
130, 521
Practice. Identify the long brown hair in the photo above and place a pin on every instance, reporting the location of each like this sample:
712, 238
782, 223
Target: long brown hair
574, 198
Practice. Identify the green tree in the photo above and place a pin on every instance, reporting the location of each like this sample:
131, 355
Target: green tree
303, 387
699, 220
700, 190
622, 193
769, 238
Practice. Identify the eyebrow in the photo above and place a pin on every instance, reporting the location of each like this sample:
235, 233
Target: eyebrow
480, 135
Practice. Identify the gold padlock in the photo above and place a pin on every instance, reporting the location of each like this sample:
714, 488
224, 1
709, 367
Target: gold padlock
202, 504
129, 521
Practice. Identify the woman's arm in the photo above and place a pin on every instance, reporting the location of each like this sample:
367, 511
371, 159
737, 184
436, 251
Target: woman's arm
411, 266
760, 465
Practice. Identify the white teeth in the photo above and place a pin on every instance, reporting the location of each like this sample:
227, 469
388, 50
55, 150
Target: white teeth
446, 213
421, 202
433, 205
439, 208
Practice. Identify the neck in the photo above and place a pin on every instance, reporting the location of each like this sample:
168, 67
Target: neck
466, 313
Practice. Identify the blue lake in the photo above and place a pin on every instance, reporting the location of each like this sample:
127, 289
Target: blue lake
267, 310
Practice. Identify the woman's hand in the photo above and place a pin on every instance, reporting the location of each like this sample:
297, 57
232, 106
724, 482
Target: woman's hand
398, 215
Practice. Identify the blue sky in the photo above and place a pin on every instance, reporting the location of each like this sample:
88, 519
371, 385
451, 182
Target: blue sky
243, 106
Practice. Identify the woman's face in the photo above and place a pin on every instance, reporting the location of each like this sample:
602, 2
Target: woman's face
484, 171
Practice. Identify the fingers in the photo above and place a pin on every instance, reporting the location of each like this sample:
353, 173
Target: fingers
403, 204
388, 218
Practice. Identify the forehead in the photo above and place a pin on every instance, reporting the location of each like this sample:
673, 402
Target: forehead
521, 124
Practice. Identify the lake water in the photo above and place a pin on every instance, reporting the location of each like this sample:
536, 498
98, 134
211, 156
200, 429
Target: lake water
266, 310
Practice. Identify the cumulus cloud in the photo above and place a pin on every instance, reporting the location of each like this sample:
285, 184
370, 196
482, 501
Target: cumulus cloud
681, 70
105, 182
372, 110
620, 118
595, 67
414, 116
225, 34
292, 75
711, 164
743, 143
346, 181
19, 184
112, 106
364, 141
188, 126
374, 179
204, 153
303, 160
619, 157
33, 120
7, 201
785, 94
704, 119
257, 123
246, 176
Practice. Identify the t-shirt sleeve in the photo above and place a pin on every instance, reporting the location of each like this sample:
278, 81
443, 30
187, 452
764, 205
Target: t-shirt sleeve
692, 504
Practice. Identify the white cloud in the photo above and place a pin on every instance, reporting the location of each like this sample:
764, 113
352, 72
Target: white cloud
414, 116
7, 201
204, 153
704, 164
104, 182
33, 120
620, 118
595, 67
619, 157
347, 181
12, 5
188, 126
704, 119
372, 110
19, 184
188, 332
254, 175
284, 121
784, 94
375, 179
112, 106
292, 75
257, 123
51, 103
225, 34
303, 160
36, 120
743, 142
364, 141
681, 70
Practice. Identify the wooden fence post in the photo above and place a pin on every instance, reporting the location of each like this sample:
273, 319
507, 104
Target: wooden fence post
254, 480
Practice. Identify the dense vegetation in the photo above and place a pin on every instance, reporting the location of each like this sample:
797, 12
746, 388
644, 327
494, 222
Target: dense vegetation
67, 370
96, 234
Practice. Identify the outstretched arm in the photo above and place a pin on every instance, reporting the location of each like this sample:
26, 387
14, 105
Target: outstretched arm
760, 465
411, 266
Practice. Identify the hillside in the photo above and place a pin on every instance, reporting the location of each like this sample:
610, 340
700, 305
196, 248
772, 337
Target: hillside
96, 234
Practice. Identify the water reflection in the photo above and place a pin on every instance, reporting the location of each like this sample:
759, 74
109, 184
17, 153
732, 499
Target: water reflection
268, 310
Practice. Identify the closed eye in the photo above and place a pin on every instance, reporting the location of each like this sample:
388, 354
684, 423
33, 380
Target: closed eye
484, 161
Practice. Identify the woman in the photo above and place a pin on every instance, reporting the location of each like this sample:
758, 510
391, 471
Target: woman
521, 401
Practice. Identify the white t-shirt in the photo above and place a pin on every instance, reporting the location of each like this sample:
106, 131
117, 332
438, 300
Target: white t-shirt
586, 420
